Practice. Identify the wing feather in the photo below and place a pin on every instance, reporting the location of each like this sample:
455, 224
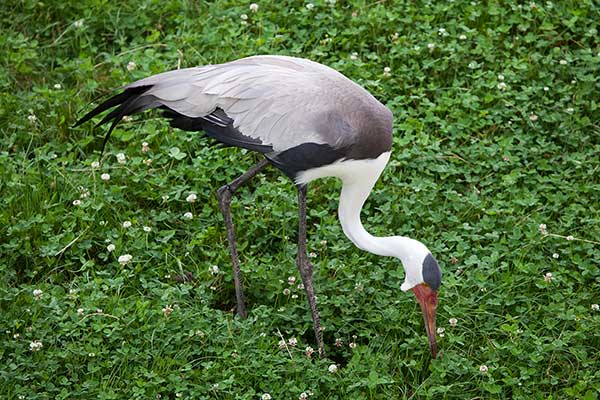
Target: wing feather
277, 101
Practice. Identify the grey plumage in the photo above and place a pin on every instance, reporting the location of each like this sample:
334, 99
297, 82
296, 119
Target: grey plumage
271, 104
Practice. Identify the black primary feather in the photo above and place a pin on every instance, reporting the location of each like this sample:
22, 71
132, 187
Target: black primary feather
217, 125
128, 102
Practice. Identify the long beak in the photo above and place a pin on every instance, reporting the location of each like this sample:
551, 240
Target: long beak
427, 299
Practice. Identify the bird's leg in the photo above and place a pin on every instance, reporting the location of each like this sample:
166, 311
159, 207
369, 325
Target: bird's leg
224, 195
306, 269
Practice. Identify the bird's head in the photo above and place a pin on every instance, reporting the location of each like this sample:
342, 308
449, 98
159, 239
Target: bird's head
423, 276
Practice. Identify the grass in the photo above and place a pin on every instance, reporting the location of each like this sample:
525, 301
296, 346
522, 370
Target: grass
496, 132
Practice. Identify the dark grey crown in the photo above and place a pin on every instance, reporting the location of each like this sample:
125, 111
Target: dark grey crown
432, 274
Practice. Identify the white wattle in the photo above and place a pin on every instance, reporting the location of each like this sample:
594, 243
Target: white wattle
358, 178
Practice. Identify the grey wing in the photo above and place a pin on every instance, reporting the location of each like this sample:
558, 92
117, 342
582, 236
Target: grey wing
276, 105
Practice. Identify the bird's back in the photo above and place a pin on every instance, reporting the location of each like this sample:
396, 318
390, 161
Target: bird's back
299, 113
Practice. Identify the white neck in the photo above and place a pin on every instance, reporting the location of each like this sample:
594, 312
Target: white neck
358, 178
353, 196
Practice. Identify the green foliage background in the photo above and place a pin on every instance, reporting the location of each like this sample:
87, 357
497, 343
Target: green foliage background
496, 132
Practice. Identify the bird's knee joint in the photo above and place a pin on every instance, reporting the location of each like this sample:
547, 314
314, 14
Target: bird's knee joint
224, 193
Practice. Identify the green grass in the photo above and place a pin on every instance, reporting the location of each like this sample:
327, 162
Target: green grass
473, 174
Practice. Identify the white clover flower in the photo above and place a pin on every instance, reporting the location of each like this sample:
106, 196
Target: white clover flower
121, 158
548, 277
570, 237
214, 270
442, 32
16, 335
95, 164
147, 229
36, 345
99, 311
595, 307
127, 224
563, 62
312, 254
91, 354
286, 292
463, 37
309, 351
543, 230
440, 331
546, 88
303, 396
125, 259
502, 86
570, 110
38, 293
352, 345
555, 255
191, 198
105, 177
265, 396
310, 6
533, 117
395, 36
78, 24
387, 71
292, 342
57, 86
453, 322
244, 17
167, 310
500, 77
332, 369
130, 66
254, 7
80, 311
472, 65
32, 118
431, 46
188, 215
483, 369
281, 344
77, 202
354, 56
110, 248
301, 286
145, 147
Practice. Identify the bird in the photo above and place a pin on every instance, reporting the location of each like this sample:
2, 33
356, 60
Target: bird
307, 120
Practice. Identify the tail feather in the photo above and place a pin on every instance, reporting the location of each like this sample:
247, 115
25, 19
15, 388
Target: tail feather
112, 102
128, 102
